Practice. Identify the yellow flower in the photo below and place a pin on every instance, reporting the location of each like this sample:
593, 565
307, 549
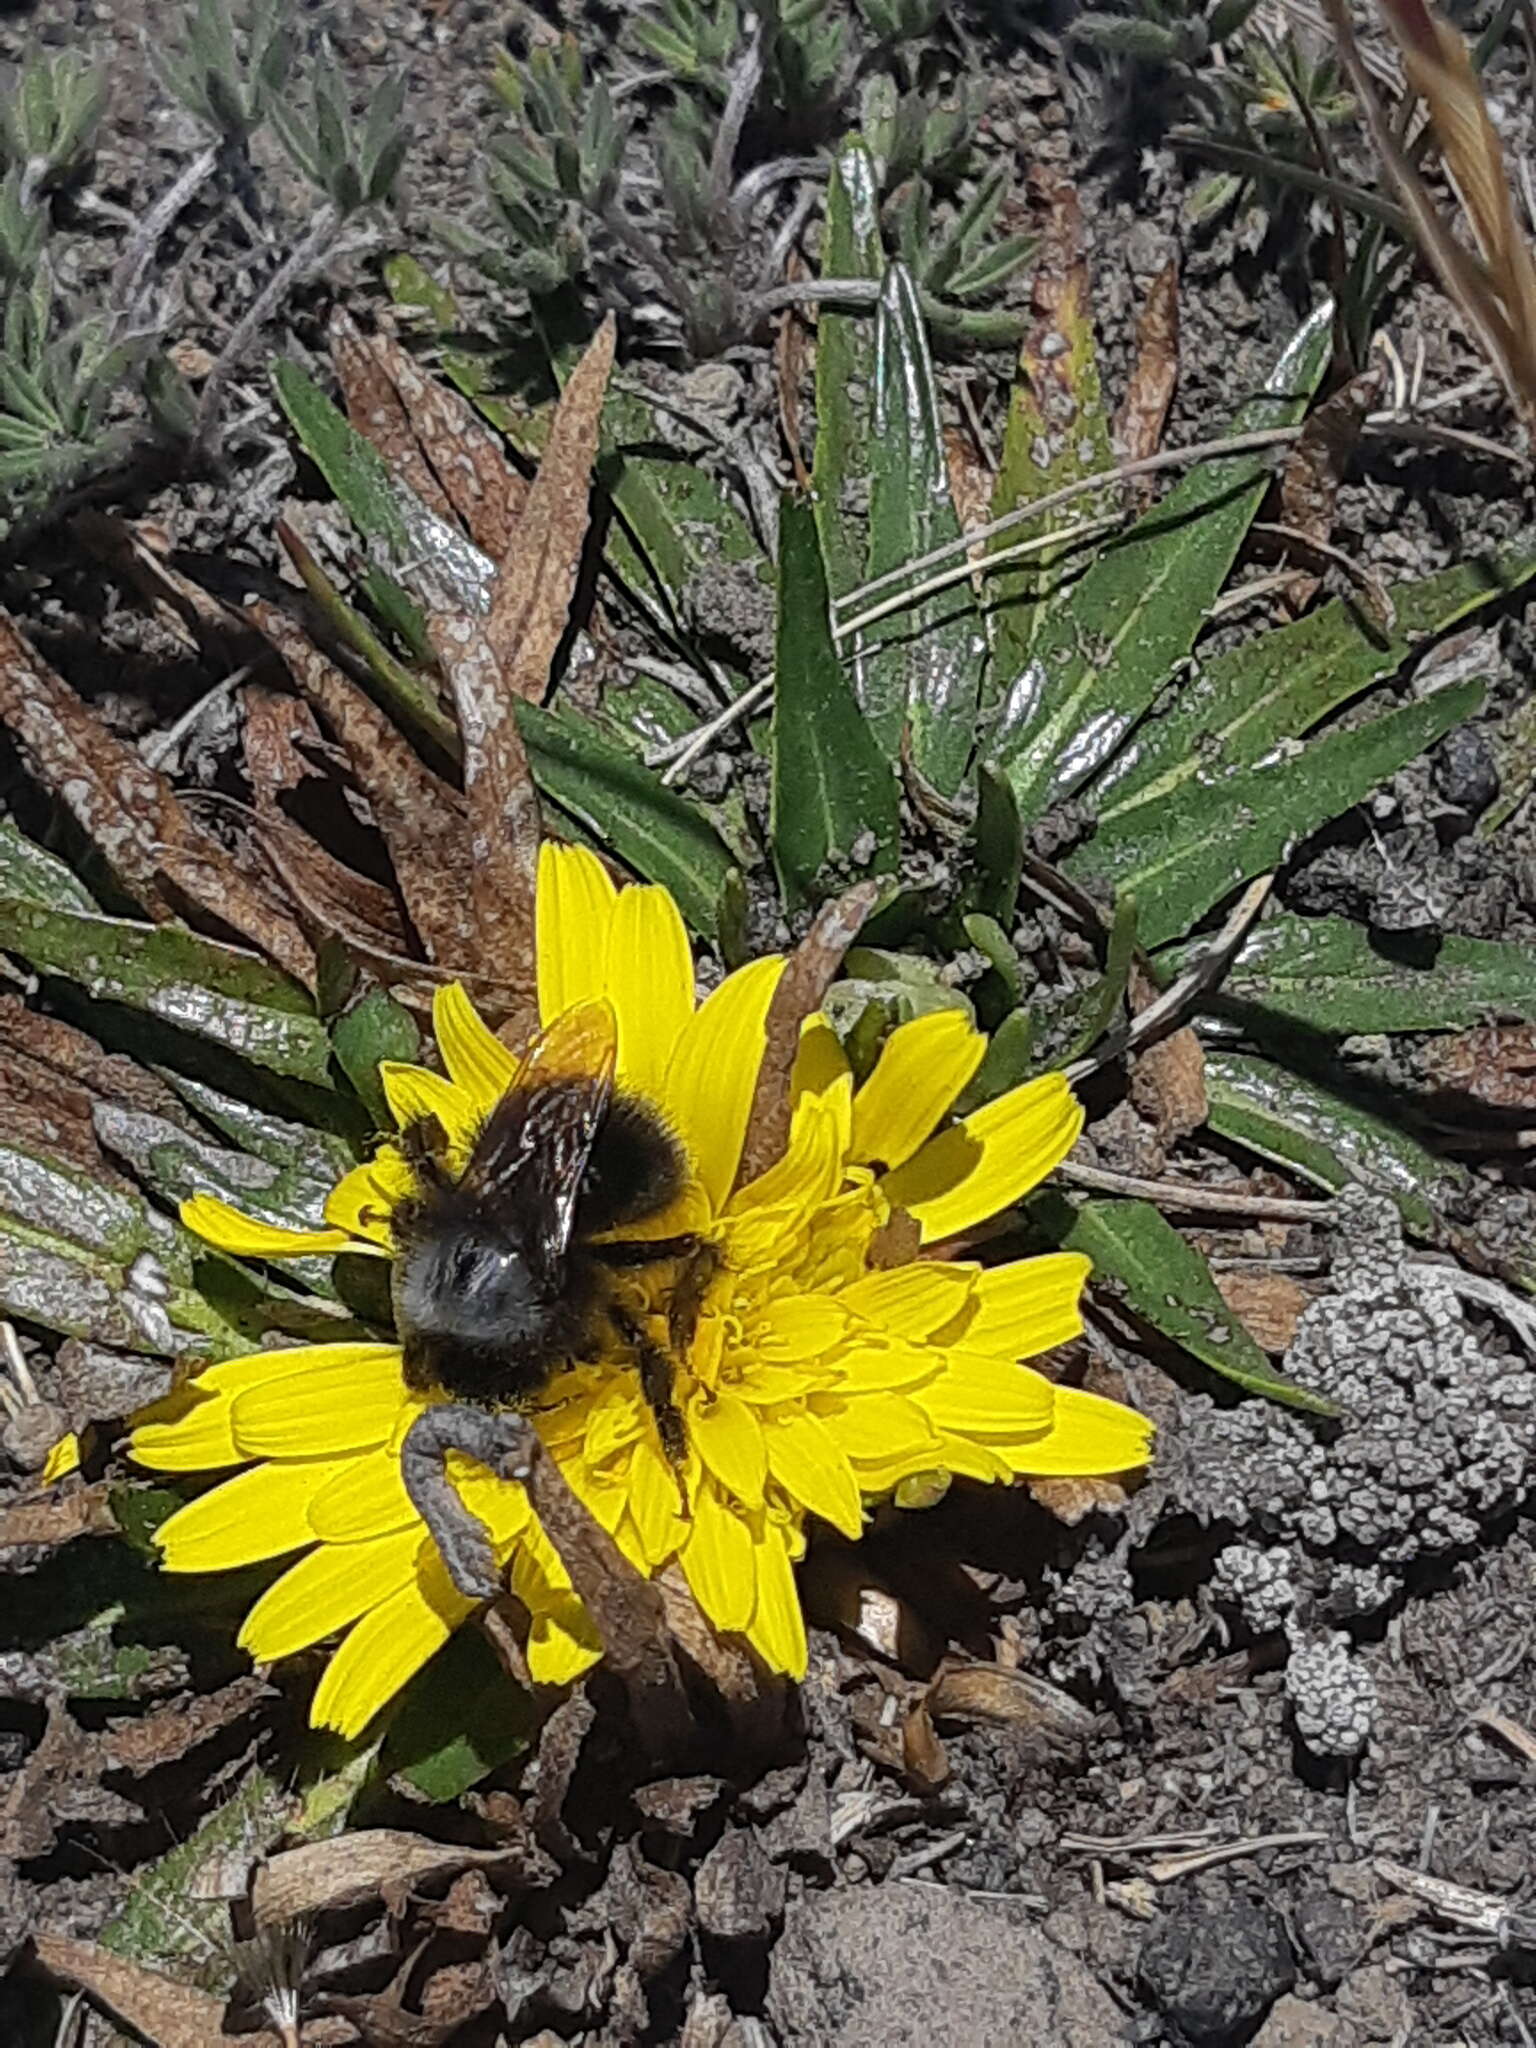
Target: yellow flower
817, 1377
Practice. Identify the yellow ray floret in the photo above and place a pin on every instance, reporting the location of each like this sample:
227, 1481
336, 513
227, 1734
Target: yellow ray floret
817, 1377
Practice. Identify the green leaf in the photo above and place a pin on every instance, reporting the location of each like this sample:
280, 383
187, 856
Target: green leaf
355, 470
1326, 1137
1112, 642
920, 667
627, 807
378, 1028
1330, 975
29, 875
1058, 430
459, 1720
1181, 857
1169, 1284
1242, 703
1107, 993
176, 1909
213, 991
997, 850
835, 804
96, 1261
845, 367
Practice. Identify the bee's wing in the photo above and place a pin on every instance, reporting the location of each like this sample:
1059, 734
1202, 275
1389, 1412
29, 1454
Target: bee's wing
531, 1158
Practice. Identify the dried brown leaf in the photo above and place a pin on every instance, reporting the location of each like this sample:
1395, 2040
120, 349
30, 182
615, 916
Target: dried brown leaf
503, 826
1168, 1084
168, 2014
172, 1732
1154, 372
789, 351
997, 1693
537, 574
279, 740
451, 457
1073, 1500
370, 1863
811, 970
1493, 1064
58, 1519
1315, 468
136, 555
379, 412
330, 899
420, 817
1268, 1305
924, 1759
131, 813
43, 1046
383, 2021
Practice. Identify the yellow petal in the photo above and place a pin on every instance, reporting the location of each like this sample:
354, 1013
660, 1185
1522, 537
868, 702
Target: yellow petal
986, 1397
562, 1644
913, 1301
63, 1459
798, 1327
718, 1561
809, 1464
876, 1427
1087, 1435
777, 1627
966, 1458
257, 1514
326, 1591
1024, 1308
575, 908
389, 1646
501, 1504
820, 1062
728, 1437
363, 1200
192, 1428
872, 1363
246, 1237
980, 1166
811, 1170
347, 1398
366, 1499
655, 1505
713, 1074
477, 1061
922, 1068
649, 981
415, 1092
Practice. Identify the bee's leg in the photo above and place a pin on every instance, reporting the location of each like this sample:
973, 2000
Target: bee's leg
646, 1251
503, 1443
424, 1146
655, 1379
688, 1295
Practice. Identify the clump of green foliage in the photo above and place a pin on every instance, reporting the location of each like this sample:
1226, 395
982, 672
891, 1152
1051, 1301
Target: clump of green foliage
84, 379
679, 174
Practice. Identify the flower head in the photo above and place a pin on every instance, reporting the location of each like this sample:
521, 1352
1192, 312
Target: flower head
818, 1375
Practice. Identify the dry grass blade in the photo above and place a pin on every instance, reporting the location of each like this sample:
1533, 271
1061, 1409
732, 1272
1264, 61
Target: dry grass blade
420, 817
132, 814
537, 573
1154, 373
1496, 291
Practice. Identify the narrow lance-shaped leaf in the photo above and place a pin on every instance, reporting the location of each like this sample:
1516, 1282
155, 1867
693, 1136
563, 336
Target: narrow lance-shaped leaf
1114, 640
1169, 1284
845, 366
1329, 975
835, 805
1243, 702
921, 667
1326, 1137
1057, 431
1180, 858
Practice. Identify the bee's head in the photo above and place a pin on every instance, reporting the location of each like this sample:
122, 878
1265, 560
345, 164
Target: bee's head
466, 1286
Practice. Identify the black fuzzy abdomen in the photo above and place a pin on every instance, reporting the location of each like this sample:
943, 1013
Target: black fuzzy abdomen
636, 1169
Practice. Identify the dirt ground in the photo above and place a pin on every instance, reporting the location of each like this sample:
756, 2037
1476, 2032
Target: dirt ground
1282, 1702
